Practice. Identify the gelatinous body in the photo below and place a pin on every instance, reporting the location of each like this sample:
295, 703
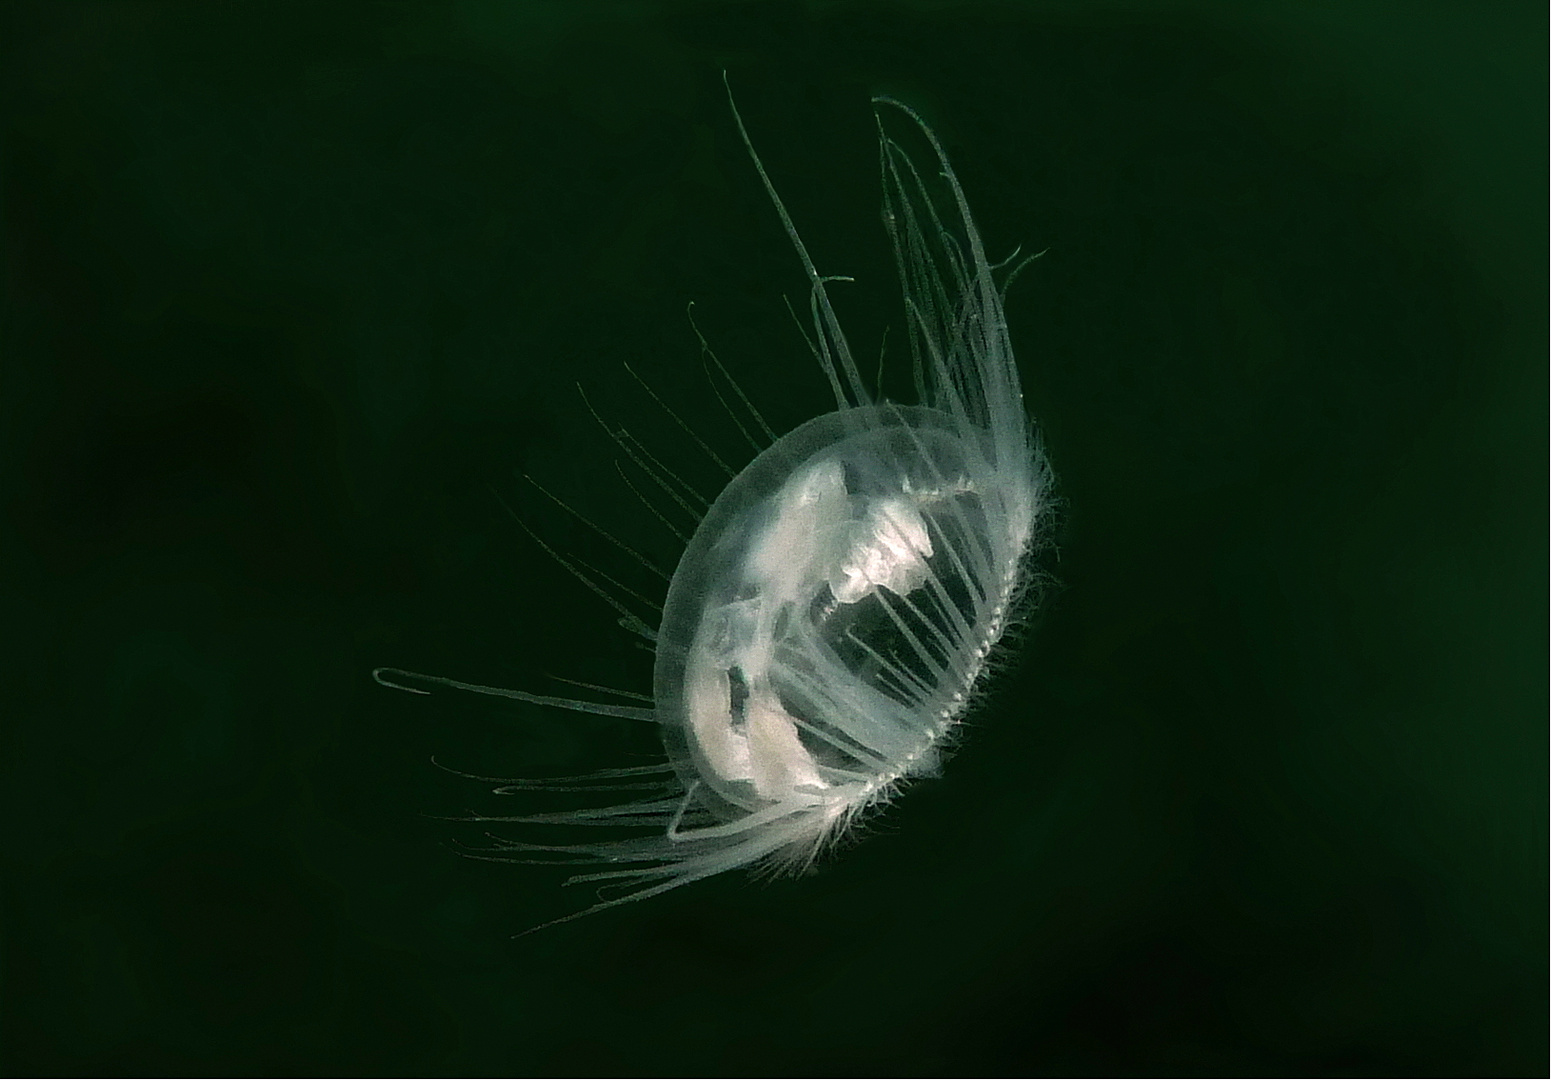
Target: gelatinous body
831, 618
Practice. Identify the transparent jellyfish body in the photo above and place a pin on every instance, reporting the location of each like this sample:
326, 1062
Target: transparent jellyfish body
833, 616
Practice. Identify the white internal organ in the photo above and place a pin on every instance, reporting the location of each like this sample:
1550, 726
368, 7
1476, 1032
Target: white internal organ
818, 535
887, 549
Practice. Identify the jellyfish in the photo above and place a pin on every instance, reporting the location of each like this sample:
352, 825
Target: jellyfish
837, 611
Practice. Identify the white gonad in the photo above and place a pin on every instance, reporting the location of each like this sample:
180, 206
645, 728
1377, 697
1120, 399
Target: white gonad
833, 615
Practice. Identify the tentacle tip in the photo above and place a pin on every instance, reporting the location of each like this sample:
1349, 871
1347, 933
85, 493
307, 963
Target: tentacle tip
380, 676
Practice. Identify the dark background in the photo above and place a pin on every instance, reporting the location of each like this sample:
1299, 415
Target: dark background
294, 293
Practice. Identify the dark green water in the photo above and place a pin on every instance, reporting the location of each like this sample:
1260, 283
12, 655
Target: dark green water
292, 298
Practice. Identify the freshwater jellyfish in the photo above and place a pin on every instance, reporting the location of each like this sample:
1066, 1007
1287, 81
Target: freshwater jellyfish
833, 615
